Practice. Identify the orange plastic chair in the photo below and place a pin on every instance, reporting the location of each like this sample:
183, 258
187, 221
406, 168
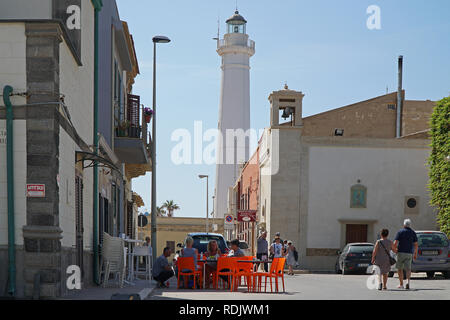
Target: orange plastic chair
244, 269
280, 272
226, 267
271, 274
187, 264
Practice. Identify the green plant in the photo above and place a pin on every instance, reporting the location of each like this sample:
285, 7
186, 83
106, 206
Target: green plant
440, 163
171, 207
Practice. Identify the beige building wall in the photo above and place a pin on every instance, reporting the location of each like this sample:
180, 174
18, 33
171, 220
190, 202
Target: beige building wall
390, 170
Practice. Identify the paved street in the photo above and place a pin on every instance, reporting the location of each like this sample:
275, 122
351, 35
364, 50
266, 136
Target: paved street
323, 287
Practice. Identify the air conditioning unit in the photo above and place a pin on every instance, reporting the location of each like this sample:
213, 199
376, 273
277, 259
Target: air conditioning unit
412, 205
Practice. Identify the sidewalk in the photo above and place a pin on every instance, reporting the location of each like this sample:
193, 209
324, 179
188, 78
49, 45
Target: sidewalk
141, 290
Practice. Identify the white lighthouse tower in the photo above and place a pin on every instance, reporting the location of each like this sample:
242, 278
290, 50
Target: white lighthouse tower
234, 112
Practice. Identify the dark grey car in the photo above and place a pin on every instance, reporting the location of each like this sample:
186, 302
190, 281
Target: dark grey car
433, 254
355, 257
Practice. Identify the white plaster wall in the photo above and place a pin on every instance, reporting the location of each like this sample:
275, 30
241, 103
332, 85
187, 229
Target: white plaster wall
67, 150
20, 176
13, 59
389, 174
13, 73
77, 84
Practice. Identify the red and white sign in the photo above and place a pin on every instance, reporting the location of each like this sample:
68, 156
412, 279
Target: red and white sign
36, 190
247, 216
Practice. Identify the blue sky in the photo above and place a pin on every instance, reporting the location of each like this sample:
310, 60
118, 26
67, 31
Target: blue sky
322, 48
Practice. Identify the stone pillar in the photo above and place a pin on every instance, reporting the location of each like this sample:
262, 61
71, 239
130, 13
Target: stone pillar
42, 233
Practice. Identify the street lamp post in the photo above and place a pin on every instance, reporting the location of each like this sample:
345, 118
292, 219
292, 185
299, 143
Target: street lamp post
157, 39
207, 200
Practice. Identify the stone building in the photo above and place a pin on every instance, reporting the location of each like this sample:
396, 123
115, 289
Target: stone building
342, 175
47, 57
246, 197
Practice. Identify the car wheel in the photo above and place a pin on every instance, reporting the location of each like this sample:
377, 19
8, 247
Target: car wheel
430, 274
391, 274
446, 274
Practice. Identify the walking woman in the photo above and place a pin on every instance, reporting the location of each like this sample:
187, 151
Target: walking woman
380, 257
290, 258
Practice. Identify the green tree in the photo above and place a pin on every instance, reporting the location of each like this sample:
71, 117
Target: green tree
171, 206
440, 163
160, 212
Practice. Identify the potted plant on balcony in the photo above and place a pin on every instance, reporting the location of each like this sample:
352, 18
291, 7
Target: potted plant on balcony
123, 128
148, 113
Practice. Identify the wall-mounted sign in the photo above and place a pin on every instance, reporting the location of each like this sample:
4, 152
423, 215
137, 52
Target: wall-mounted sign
36, 190
229, 219
247, 216
2, 136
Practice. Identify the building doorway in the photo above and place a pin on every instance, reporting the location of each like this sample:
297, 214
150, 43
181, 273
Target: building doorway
356, 233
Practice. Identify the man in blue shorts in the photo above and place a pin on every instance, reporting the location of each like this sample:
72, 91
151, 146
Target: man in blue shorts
405, 245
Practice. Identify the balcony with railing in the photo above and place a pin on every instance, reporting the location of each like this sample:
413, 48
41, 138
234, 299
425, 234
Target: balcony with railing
132, 140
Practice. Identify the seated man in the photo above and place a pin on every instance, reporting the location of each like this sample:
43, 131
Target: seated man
237, 252
161, 270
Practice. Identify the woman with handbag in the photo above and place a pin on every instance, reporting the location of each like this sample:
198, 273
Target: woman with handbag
381, 257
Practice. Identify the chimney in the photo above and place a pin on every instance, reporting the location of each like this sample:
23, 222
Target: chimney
399, 97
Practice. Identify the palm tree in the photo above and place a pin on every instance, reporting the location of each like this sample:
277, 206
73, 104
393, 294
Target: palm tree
171, 207
160, 212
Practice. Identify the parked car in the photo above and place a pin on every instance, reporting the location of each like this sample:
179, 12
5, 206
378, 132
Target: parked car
244, 247
201, 240
354, 257
433, 254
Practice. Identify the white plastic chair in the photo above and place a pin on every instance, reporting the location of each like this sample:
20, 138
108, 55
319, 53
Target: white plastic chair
113, 259
136, 270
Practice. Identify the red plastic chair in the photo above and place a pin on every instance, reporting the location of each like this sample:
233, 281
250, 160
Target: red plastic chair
226, 267
280, 272
188, 264
244, 269
271, 274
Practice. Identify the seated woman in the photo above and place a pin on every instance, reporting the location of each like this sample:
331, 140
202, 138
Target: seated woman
188, 252
213, 253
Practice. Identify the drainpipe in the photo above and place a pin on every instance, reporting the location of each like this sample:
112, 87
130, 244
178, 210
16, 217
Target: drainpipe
7, 90
399, 98
97, 6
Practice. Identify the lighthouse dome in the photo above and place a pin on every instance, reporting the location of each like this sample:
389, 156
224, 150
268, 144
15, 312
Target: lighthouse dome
236, 23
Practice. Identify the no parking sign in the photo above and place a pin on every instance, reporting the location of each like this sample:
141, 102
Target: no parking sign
229, 221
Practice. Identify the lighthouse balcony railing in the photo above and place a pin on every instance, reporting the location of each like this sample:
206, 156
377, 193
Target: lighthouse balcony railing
228, 43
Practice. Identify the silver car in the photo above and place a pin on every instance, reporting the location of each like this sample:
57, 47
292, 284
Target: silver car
433, 254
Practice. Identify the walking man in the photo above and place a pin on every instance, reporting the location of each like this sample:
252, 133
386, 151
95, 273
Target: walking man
405, 246
262, 250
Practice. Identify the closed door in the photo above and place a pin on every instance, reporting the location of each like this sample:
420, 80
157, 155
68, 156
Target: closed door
356, 233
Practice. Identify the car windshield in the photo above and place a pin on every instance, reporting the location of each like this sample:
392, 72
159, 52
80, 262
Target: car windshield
201, 243
432, 240
361, 249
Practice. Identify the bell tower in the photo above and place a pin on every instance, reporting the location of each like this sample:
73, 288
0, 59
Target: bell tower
235, 49
289, 104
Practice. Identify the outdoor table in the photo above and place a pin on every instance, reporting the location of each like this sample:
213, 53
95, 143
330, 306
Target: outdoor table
205, 261
130, 277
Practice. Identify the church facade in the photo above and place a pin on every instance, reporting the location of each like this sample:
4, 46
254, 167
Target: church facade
341, 176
